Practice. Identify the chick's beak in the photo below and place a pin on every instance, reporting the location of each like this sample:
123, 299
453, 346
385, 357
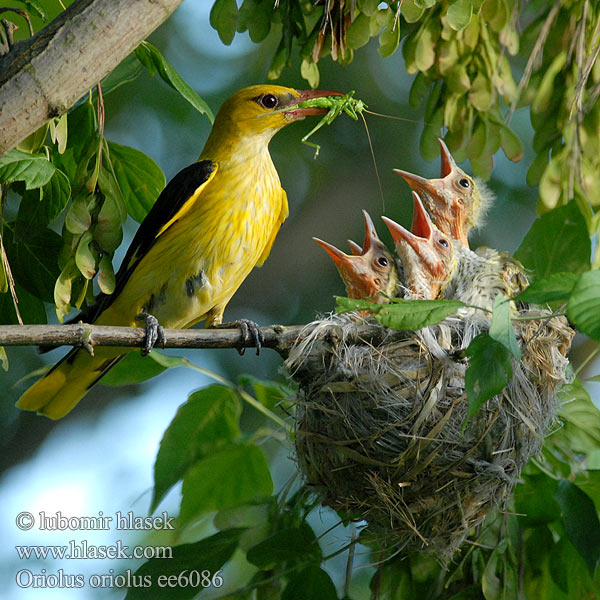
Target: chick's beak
355, 248
299, 113
339, 258
421, 225
371, 236
448, 163
400, 234
418, 183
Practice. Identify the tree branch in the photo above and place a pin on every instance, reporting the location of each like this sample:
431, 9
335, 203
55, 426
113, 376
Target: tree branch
277, 337
42, 77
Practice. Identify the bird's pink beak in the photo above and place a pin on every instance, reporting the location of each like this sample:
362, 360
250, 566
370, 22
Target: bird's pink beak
299, 113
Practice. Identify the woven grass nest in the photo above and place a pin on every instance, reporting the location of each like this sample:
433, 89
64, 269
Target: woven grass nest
379, 425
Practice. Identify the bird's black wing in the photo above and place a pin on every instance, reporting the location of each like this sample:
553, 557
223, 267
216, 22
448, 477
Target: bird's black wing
174, 197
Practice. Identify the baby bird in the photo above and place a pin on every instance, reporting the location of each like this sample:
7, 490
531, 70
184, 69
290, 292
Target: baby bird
427, 254
371, 272
455, 201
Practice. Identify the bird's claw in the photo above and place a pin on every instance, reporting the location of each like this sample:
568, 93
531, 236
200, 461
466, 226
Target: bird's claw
154, 332
251, 334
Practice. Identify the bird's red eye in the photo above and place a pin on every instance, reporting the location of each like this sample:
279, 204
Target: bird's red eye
464, 182
269, 101
382, 260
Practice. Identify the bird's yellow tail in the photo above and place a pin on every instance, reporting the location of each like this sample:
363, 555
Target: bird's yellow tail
58, 392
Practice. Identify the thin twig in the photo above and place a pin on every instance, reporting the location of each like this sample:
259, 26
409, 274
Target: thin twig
277, 337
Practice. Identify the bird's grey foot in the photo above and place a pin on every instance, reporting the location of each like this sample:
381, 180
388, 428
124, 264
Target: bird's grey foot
252, 336
154, 332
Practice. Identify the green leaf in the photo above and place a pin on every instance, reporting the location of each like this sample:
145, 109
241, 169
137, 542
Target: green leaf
107, 231
311, 583
557, 286
459, 14
489, 371
34, 169
128, 70
290, 544
36, 7
418, 91
428, 144
34, 141
502, 329
78, 218
3, 359
60, 132
481, 95
537, 168
410, 11
31, 308
154, 61
425, 49
581, 522
41, 206
238, 474
140, 179
33, 260
411, 315
85, 258
175, 578
224, 18
581, 419
557, 242
106, 276
255, 16
358, 33
534, 499
205, 423
390, 36
490, 582
583, 309
511, 144
268, 393
63, 288
132, 369
310, 72
344, 304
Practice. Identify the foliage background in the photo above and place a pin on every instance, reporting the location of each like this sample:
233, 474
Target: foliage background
100, 458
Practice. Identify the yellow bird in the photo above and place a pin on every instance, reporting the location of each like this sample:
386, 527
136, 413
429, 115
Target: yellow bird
213, 222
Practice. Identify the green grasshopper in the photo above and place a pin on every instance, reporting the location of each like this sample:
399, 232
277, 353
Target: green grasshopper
336, 104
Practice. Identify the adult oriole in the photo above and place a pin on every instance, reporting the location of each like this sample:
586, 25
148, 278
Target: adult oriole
213, 222
371, 272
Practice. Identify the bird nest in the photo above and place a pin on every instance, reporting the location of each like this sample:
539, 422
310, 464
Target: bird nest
379, 425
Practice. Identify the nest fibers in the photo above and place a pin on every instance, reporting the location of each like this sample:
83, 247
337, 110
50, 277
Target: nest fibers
379, 425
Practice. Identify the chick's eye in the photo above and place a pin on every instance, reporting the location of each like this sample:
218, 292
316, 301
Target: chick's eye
382, 261
444, 243
465, 183
269, 101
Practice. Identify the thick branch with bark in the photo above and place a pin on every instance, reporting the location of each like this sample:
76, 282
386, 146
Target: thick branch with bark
278, 337
42, 77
